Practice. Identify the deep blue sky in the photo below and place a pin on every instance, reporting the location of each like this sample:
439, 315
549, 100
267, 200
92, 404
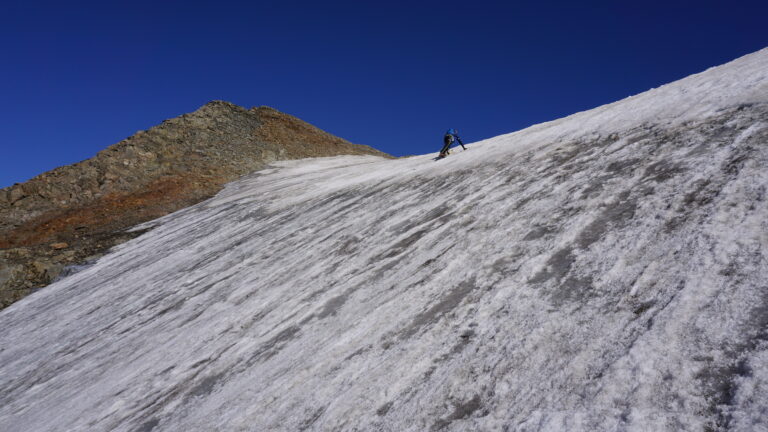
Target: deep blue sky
76, 77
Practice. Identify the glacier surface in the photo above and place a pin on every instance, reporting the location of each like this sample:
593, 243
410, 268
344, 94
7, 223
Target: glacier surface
605, 271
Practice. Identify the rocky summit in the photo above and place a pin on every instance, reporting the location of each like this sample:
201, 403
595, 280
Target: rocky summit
71, 215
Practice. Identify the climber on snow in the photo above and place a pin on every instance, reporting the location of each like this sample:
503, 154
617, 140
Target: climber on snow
450, 136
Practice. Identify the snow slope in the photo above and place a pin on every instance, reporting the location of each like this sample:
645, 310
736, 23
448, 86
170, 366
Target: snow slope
605, 271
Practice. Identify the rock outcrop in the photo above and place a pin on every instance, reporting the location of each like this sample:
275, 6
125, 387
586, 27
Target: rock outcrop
71, 214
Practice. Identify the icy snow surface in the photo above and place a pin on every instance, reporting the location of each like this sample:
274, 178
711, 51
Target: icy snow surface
605, 271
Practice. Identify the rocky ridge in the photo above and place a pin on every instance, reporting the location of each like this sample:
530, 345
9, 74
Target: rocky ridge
72, 214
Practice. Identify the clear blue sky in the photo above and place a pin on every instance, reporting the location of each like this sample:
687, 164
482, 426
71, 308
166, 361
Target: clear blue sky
76, 77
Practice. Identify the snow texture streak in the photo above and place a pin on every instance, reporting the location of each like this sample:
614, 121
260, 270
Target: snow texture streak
606, 271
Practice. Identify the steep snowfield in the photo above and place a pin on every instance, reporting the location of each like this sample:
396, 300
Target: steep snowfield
605, 271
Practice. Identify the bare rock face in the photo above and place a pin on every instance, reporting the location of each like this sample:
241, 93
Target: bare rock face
182, 161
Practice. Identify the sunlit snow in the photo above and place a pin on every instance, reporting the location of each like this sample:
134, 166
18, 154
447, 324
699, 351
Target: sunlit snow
605, 271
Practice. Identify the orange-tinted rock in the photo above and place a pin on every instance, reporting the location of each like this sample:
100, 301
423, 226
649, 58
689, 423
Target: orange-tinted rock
178, 163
